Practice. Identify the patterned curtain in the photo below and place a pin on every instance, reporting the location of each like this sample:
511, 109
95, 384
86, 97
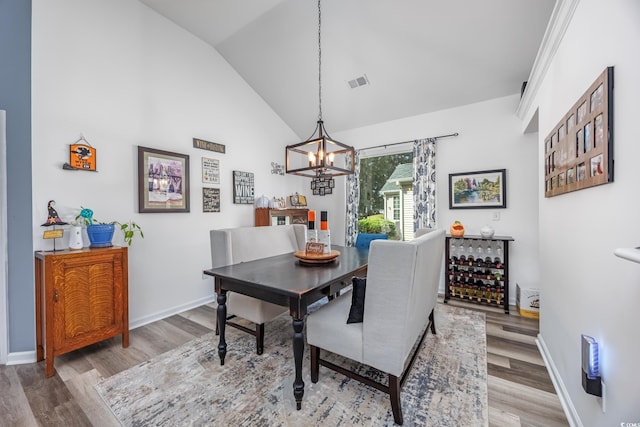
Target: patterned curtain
353, 197
424, 183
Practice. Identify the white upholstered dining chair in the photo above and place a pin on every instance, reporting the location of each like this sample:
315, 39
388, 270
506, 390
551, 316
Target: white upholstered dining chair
242, 244
399, 302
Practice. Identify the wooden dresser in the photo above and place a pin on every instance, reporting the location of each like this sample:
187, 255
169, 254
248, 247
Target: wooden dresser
82, 297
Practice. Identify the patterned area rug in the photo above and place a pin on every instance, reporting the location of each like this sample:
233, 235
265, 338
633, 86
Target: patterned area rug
187, 386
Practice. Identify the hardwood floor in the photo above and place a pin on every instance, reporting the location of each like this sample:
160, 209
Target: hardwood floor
520, 390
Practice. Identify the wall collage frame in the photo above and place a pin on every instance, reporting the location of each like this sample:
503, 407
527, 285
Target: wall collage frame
578, 153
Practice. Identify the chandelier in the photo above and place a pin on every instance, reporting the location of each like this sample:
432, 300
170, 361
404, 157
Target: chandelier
320, 156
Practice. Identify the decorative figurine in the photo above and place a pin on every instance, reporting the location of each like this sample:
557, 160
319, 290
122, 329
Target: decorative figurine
53, 218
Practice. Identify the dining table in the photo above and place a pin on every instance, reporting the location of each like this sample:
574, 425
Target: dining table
289, 281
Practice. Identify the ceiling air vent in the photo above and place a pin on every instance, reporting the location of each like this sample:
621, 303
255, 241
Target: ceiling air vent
358, 81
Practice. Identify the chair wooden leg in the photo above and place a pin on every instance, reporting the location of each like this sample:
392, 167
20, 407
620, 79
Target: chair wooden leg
433, 323
217, 327
315, 363
394, 393
260, 338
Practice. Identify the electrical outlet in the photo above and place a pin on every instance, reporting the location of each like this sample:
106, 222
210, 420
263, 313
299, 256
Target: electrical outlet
495, 216
601, 399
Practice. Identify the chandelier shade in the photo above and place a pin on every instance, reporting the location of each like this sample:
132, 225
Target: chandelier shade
320, 156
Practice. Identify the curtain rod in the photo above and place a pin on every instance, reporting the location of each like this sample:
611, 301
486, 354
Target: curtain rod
406, 142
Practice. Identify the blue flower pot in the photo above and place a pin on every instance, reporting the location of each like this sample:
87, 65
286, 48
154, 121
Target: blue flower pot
100, 235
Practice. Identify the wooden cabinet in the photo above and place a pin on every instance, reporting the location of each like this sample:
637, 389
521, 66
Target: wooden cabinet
271, 216
478, 270
82, 297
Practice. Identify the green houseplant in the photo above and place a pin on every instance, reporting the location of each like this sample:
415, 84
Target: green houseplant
101, 233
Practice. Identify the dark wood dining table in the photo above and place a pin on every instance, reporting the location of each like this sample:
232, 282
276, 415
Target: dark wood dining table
286, 281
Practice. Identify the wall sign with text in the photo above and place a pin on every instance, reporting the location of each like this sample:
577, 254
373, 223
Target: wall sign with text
210, 199
243, 188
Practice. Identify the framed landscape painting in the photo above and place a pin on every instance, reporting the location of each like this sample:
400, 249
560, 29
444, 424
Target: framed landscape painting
477, 190
163, 181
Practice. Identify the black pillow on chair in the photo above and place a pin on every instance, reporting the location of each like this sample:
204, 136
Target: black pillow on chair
357, 300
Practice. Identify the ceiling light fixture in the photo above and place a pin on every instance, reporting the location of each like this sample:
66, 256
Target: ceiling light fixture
320, 156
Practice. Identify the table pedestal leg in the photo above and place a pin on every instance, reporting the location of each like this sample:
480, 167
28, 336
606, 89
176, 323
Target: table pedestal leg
222, 323
298, 350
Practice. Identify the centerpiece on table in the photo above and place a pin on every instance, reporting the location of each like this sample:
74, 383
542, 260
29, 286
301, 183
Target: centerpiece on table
101, 233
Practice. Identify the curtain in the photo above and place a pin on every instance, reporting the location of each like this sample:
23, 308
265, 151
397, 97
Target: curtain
424, 183
353, 198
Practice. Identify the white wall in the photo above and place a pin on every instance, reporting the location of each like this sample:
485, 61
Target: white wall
123, 76
490, 138
585, 288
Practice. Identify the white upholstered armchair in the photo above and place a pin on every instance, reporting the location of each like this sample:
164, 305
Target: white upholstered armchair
401, 295
242, 244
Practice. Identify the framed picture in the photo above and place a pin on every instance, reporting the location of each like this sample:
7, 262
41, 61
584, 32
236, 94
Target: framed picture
477, 190
585, 141
243, 188
163, 181
210, 171
297, 200
210, 199
82, 156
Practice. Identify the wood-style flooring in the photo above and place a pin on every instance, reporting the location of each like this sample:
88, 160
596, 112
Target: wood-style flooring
520, 390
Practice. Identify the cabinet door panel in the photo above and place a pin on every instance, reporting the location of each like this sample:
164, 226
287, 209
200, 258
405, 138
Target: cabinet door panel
87, 303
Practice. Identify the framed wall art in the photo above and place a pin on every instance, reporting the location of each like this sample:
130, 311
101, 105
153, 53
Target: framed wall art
477, 190
163, 181
243, 188
82, 156
578, 153
210, 199
297, 200
210, 171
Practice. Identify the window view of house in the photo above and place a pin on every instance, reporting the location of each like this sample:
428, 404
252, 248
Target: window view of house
386, 196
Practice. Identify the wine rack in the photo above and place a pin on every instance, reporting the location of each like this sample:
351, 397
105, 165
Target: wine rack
478, 270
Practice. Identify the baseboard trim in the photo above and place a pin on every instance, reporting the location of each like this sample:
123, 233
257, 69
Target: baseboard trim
25, 357
21, 357
136, 323
565, 400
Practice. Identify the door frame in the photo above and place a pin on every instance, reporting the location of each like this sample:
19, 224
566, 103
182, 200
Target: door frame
3, 243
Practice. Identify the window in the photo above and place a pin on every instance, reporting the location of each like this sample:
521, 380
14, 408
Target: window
396, 208
382, 206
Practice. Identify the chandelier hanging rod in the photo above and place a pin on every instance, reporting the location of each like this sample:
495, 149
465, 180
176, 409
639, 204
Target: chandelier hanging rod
319, 155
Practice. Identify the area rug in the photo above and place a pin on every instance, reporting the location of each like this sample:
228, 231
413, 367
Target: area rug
187, 386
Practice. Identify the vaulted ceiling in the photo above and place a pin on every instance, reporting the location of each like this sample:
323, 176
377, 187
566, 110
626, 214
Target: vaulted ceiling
417, 56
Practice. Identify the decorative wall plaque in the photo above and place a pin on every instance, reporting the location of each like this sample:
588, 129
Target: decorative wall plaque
208, 145
243, 188
210, 199
578, 153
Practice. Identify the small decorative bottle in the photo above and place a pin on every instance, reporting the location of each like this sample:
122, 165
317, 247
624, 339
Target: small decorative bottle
312, 233
323, 235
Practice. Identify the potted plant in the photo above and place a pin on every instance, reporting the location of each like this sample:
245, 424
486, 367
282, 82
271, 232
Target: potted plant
101, 233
